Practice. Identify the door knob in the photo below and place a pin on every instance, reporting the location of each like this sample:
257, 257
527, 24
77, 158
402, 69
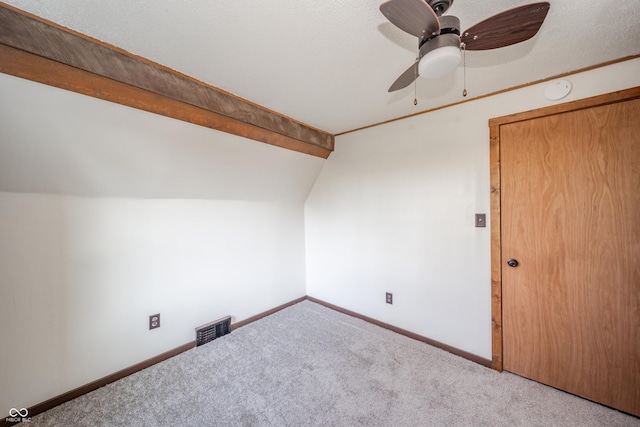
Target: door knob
512, 262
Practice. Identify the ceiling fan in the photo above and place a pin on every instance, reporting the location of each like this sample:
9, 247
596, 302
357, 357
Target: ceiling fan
439, 38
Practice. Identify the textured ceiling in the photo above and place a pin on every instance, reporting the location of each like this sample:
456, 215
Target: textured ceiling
329, 63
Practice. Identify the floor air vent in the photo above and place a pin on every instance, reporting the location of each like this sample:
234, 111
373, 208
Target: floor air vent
211, 331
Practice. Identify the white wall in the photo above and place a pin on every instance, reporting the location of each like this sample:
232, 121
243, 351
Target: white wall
393, 211
110, 214
80, 276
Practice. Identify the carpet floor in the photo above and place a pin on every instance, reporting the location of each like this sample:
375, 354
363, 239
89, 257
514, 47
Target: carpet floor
308, 365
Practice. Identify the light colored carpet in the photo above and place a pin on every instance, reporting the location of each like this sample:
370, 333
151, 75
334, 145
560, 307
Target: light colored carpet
308, 365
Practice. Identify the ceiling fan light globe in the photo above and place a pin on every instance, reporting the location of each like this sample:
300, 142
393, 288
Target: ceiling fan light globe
439, 62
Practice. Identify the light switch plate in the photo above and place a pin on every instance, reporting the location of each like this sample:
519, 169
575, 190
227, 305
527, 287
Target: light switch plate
481, 220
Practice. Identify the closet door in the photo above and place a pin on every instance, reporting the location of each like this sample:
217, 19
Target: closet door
570, 218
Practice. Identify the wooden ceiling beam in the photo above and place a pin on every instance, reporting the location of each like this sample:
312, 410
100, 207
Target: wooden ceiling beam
42, 51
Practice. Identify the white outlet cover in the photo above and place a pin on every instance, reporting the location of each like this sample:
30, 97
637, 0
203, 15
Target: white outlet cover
557, 90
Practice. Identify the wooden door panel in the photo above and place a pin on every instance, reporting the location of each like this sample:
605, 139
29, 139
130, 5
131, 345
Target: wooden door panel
570, 210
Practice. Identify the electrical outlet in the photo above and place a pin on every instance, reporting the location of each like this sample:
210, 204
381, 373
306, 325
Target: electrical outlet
389, 298
154, 321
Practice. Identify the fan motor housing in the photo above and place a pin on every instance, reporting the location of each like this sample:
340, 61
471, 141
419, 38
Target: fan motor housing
449, 24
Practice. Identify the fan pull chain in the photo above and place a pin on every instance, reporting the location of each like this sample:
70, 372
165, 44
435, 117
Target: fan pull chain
464, 69
415, 88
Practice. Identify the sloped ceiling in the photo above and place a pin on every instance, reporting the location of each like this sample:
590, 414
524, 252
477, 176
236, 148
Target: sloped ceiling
59, 142
329, 63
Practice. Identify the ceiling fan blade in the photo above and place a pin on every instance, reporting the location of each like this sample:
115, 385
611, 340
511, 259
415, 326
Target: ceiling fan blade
405, 78
506, 28
413, 16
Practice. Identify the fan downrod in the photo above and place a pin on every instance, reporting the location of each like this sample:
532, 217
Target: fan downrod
439, 6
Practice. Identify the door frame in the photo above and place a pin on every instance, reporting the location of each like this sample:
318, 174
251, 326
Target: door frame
495, 179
